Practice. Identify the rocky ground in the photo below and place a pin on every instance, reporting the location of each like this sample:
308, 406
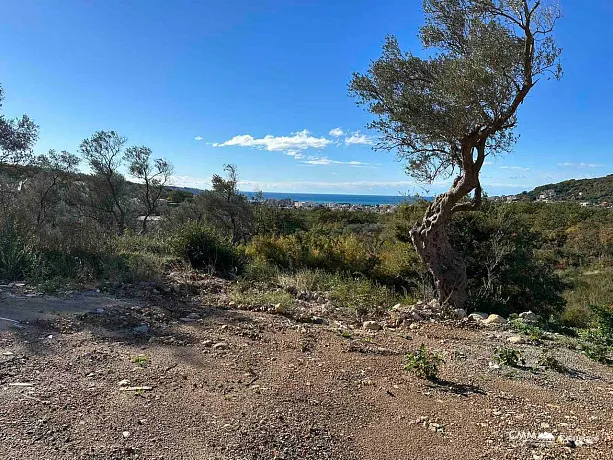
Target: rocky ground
159, 374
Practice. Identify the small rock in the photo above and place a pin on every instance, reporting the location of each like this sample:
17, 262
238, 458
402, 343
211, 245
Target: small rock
317, 320
416, 316
478, 316
193, 316
458, 313
414, 326
280, 308
99, 311
7, 353
207, 343
126, 434
123, 383
495, 319
187, 320
529, 317
397, 307
142, 329
545, 425
516, 339
371, 325
220, 346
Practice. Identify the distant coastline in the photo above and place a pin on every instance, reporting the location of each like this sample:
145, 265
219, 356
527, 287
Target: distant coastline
323, 198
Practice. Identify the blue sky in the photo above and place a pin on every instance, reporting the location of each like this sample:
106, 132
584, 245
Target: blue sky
263, 84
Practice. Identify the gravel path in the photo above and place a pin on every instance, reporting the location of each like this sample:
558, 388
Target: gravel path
161, 379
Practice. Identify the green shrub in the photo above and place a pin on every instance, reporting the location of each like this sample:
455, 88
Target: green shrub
16, 259
505, 274
507, 356
424, 363
260, 294
362, 296
595, 345
204, 249
532, 331
603, 319
260, 270
549, 362
337, 254
578, 316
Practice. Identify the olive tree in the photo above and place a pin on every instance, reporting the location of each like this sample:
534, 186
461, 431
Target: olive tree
153, 174
17, 137
104, 154
55, 170
225, 208
446, 113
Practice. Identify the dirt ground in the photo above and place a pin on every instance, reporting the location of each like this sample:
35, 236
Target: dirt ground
91, 376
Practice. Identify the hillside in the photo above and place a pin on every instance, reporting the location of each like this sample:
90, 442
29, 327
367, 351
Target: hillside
593, 190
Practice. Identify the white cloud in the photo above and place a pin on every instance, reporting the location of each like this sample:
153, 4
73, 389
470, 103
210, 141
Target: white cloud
293, 153
198, 138
325, 161
581, 165
336, 132
515, 168
356, 139
301, 140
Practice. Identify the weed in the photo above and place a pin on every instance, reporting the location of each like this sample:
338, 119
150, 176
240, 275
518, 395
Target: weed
346, 334
534, 332
549, 362
424, 363
507, 356
595, 344
255, 294
140, 360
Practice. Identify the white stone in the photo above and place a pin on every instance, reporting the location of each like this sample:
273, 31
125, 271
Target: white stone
528, 316
515, 339
478, 316
371, 325
495, 319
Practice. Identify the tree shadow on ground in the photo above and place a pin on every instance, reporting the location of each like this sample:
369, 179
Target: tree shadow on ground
163, 321
461, 389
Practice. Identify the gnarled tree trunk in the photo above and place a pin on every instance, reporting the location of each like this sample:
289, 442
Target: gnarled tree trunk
431, 240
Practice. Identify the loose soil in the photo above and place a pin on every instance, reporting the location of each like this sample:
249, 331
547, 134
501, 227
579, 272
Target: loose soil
204, 381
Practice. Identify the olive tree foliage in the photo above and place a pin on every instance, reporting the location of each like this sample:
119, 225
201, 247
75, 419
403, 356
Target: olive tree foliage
225, 208
17, 137
104, 152
445, 114
154, 175
54, 171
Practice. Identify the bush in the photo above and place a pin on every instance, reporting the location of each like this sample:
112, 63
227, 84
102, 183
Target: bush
423, 363
549, 362
578, 316
259, 294
506, 356
16, 260
504, 272
204, 249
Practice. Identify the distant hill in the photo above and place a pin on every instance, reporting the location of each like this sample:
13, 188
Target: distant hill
193, 191
591, 190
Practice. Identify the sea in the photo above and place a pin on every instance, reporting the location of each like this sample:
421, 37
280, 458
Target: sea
323, 198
